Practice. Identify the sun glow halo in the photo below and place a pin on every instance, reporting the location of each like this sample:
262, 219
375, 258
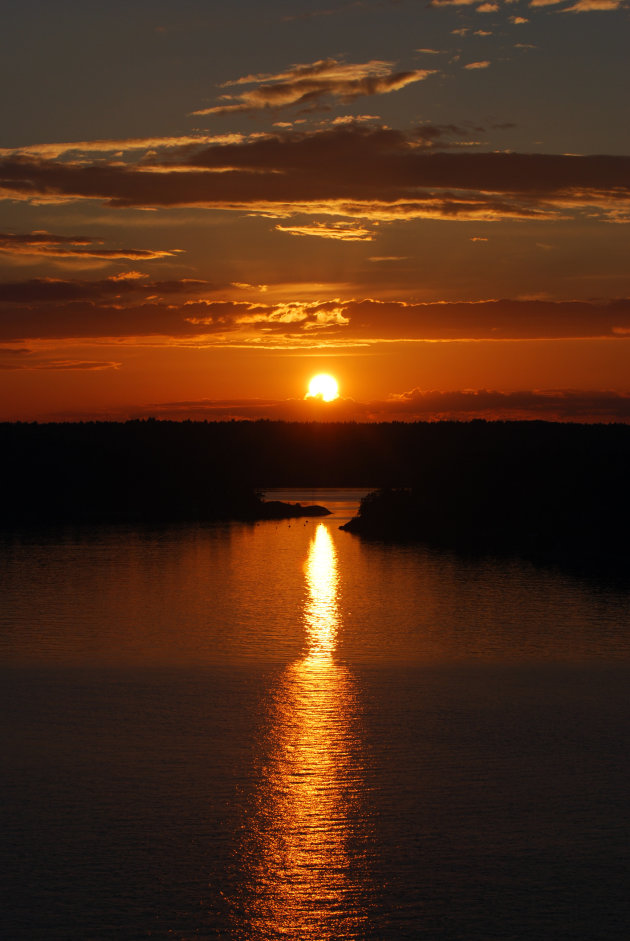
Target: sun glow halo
323, 387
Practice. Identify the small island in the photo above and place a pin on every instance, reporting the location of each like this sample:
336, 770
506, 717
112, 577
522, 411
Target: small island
278, 510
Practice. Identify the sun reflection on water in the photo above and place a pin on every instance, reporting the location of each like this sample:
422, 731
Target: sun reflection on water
321, 611
306, 861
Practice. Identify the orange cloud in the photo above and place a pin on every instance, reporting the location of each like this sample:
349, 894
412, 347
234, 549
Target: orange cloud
339, 231
118, 145
311, 84
594, 6
380, 258
371, 172
119, 286
478, 65
73, 246
416, 405
13, 359
554, 405
41, 308
583, 6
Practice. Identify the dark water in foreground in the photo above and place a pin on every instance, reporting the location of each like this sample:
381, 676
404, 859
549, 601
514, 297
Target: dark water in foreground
277, 731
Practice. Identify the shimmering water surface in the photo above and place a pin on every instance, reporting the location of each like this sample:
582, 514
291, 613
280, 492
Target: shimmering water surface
280, 731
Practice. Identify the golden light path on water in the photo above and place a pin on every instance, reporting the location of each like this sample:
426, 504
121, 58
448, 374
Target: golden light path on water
308, 872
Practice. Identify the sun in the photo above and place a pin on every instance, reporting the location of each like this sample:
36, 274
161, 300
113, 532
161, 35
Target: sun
323, 387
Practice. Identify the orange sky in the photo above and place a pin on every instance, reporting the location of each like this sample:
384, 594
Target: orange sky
430, 203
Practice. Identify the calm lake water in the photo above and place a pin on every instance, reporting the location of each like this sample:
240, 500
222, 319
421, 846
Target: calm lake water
280, 731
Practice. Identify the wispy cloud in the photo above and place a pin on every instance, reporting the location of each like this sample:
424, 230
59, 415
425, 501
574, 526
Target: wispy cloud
583, 6
595, 6
374, 173
339, 231
118, 146
19, 359
40, 309
353, 119
313, 84
491, 6
417, 404
73, 246
53, 290
554, 405
484, 64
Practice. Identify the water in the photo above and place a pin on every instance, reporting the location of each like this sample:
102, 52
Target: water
278, 731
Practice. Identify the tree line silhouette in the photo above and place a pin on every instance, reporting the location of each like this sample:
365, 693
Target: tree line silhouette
534, 487
549, 492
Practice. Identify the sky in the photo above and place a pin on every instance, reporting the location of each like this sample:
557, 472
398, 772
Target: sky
202, 205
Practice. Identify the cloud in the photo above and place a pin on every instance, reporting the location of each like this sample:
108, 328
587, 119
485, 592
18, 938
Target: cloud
489, 320
415, 405
583, 6
73, 246
118, 145
62, 310
13, 359
313, 83
554, 405
88, 313
444, 136
353, 118
489, 6
368, 172
54, 290
339, 231
90, 320
478, 65
595, 6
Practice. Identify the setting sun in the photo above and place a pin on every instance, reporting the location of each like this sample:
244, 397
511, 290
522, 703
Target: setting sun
323, 386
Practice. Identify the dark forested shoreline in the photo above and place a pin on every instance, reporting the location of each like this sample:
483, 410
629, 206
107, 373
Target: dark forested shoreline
539, 488
546, 492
